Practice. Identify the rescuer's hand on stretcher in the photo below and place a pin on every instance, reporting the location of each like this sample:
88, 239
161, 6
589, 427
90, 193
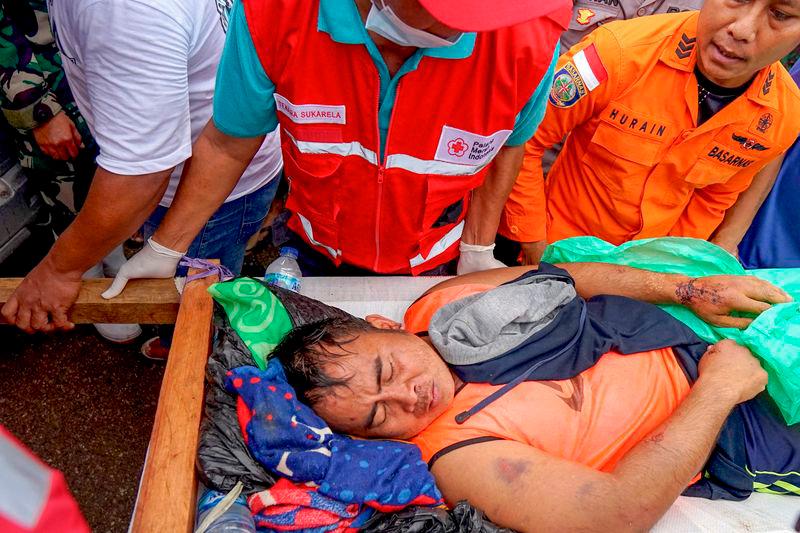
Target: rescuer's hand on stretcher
531, 252
153, 261
476, 257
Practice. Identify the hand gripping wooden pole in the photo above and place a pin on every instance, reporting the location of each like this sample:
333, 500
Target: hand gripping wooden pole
145, 301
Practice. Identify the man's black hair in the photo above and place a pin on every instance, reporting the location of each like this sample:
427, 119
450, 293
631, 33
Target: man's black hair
304, 350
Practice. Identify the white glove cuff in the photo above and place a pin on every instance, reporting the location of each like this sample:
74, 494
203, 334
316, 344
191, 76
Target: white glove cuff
464, 247
163, 250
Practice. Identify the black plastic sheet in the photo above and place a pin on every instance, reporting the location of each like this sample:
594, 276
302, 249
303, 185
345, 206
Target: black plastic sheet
463, 518
222, 456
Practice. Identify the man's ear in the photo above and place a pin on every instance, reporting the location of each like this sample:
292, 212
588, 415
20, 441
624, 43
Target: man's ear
381, 322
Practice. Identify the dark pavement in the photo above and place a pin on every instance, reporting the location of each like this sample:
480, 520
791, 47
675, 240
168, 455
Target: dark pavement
85, 407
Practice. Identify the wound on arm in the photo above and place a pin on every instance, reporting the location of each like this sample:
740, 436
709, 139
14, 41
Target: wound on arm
688, 292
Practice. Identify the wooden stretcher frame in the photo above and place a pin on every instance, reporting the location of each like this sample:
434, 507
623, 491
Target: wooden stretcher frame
167, 495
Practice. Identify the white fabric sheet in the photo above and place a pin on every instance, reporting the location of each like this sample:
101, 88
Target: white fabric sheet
390, 296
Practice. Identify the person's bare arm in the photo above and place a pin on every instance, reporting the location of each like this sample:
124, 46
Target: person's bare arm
528, 490
115, 208
218, 161
740, 215
483, 215
712, 298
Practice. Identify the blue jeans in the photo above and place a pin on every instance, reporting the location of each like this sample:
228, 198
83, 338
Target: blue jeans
224, 236
226, 233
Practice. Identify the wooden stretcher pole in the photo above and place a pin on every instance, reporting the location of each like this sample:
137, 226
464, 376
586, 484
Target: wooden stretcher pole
145, 301
167, 494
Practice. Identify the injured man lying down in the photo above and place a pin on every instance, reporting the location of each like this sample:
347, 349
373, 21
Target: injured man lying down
557, 398
558, 385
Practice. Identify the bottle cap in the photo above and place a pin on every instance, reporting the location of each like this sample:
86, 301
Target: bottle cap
289, 251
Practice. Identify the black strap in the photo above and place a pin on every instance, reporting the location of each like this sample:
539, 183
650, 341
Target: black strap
457, 445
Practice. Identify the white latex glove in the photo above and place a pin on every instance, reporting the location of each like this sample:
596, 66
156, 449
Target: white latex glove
476, 257
152, 261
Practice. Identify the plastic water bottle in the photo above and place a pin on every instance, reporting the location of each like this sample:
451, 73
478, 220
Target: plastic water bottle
237, 519
284, 271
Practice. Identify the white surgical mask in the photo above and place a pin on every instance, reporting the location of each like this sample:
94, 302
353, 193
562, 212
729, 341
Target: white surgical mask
385, 23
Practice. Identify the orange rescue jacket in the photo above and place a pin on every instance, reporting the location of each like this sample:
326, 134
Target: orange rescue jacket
636, 164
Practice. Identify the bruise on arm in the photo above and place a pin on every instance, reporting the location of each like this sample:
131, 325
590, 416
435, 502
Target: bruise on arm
586, 490
510, 470
520, 487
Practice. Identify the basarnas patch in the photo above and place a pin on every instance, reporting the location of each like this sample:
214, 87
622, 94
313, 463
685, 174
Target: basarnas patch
583, 74
568, 87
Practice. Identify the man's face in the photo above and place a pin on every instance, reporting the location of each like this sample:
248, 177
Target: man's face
396, 386
737, 38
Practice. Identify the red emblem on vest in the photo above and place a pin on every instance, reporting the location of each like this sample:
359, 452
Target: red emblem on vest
457, 147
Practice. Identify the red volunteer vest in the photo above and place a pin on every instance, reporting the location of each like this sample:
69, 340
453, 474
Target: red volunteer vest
403, 213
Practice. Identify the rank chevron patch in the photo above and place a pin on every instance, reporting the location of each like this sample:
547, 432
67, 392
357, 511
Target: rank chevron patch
768, 83
685, 46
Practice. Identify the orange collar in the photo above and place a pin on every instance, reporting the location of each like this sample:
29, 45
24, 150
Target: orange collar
681, 54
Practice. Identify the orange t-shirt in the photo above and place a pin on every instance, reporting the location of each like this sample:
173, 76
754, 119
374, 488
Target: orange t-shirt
594, 418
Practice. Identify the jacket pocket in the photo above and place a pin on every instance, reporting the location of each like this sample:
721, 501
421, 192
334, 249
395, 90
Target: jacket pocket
618, 157
718, 163
313, 181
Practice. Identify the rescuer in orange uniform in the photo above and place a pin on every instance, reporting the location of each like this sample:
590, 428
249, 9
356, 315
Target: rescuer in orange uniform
669, 118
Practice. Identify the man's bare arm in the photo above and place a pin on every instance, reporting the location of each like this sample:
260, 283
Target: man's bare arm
527, 490
115, 208
483, 216
740, 215
218, 161
712, 298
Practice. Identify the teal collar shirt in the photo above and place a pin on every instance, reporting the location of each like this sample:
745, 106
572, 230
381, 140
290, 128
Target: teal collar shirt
242, 83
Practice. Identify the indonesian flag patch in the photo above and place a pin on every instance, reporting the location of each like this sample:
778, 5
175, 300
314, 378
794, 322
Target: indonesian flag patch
578, 77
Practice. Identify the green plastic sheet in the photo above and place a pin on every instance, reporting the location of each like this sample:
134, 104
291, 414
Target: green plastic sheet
255, 313
774, 336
